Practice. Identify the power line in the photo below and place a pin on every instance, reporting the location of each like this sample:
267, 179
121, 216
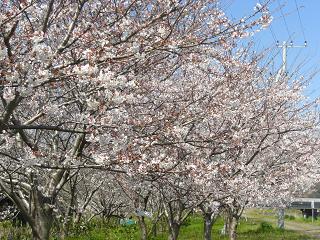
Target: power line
270, 28
284, 19
301, 26
273, 34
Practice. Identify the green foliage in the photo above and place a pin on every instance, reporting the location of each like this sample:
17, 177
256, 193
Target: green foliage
289, 217
187, 222
9, 231
96, 234
248, 230
265, 227
123, 232
193, 230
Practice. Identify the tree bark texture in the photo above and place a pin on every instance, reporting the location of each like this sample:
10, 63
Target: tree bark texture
143, 228
208, 222
174, 230
233, 224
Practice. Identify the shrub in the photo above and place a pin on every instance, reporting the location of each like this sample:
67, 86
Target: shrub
289, 217
265, 227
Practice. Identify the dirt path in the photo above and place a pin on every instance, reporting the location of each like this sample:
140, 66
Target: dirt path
305, 228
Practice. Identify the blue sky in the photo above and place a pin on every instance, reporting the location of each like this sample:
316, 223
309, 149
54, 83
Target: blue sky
286, 26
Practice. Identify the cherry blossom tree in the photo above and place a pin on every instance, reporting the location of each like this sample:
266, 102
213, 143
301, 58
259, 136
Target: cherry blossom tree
278, 148
138, 194
243, 127
76, 197
103, 85
109, 202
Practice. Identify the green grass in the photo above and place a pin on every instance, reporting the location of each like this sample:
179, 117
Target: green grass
9, 231
291, 215
252, 229
248, 230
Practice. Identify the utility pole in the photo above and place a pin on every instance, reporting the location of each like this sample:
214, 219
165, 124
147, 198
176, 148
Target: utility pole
283, 71
285, 45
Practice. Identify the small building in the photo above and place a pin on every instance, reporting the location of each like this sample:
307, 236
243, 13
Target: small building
308, 206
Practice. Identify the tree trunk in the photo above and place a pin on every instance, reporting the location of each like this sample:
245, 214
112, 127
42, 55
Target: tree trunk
67, 221
208, 222
143, 228
281, 218
154, 230
225, 229
41, 226
174, 229
233, 224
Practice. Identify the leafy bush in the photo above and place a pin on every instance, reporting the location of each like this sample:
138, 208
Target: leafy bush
9, 231
187, 222
265, 227
289, 217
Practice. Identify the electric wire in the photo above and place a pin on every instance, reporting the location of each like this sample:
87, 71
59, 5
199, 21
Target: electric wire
273, 34
270, 28
284, 19
301, 25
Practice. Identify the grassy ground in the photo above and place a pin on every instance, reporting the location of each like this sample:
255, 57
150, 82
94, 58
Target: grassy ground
259, 225
293, 220
193, 230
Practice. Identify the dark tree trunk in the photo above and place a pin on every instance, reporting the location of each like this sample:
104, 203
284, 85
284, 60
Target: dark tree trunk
42, 223
281, 218
174, 230
208, 222
233, 224
143, 228
154, 230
